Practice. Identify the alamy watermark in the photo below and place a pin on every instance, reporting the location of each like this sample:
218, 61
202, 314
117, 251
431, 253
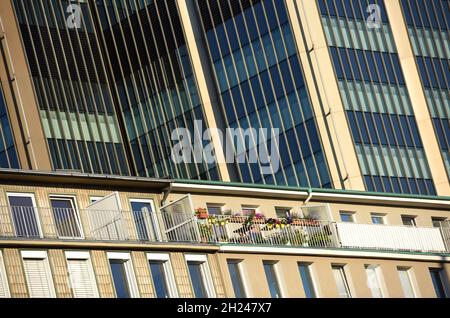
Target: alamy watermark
251, 145
73, 21
374, 20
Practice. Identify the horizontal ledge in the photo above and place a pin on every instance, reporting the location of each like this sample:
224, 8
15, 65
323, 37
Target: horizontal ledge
327, 252
95, 245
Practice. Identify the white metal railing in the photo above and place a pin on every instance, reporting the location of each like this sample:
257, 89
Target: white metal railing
146, 226
388, 237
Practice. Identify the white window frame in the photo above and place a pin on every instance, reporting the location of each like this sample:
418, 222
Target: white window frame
379, 277
242, 274
129, 271
84, 256
215, 205
278, 276
168, 271
36, 213
380, 215
94, 198
344, 274
249, 207
412, 280
312, 273
352, 215
413, 217
42, 255
153, 216
73, 199
4, 277
206, 272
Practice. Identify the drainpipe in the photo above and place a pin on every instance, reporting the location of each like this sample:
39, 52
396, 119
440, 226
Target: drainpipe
166, 193
310, 195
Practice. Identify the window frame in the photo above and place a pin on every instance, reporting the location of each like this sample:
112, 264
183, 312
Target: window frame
40, 255
410, 217
168, 272
277, 276
349, 213
410, 275
443, 281
379, 215
83, 256
220, 206
153, 216
312, 279
241, 271
35, 208
4, 277
345, 279
129, 271
202, 260
77, 214
379, 277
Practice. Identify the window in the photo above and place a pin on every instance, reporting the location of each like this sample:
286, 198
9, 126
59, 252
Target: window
379, 219
439, 222
307, 281
38, 275
95, 199
123, 276
283, 213
235, 269
374, 280
437, 276
66, 217
200, 276
214, 209
341, 281
24, 215
81, 275
406, 282
146, 220
347, 217
162, 275
4, 290
409, 220
272, 279
249, 210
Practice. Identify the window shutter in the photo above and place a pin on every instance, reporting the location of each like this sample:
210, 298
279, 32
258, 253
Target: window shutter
2, 283
38, 280
82, 281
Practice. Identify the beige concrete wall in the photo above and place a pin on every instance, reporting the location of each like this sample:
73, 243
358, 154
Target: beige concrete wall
290, 280
15, 272
363, 211
61, 280
19, 94
143, 276
103, 275
182, 279
417, 94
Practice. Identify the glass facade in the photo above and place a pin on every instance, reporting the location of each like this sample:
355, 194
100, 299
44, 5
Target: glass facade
260, 80
429, 32
72, 90
156, 87
379, 111
8, 154
112, 91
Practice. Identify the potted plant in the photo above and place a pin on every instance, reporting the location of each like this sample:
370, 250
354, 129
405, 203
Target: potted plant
258, 218
201, 213
238, 218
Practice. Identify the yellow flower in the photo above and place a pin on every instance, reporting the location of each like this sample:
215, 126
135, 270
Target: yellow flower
278, 226
223, 223
282, 226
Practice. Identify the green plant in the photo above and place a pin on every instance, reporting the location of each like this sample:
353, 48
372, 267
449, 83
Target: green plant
206, 232
320, 239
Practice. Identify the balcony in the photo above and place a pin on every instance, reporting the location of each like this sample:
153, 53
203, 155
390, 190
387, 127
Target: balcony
28, 223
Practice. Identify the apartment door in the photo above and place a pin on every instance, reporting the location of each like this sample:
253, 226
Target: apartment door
24, 215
